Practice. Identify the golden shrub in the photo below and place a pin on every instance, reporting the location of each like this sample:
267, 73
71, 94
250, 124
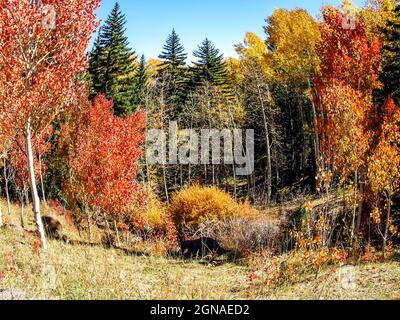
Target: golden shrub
195, 204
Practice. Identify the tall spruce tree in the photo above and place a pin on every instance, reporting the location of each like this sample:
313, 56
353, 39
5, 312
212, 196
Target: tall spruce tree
173, 55
391, 58
174, 65
141, 82
112, 63
210, 67
96, 62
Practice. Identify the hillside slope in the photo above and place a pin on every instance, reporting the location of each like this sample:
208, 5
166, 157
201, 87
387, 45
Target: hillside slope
92, 272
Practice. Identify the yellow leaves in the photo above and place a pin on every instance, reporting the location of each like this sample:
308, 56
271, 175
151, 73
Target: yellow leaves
376, 216
196, 203
233, 70
384, 168
349, 8
252, 47
252, 51
289, 53
153, 66
384, 164
349, 142
376, 14
294, 35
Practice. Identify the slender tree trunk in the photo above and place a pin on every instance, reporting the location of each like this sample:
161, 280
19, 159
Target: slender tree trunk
34, 192
353, 224
165, 182
317, 147
268, 147
26, 195
386, 236
1, 218
117, 233
41, 180
180, 170
360, 207
6, 185
89, 226
21, 218
164, 169
234, 182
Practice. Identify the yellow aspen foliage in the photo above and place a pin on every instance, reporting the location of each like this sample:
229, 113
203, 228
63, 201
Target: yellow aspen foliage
252, 51
384, 164
376, 14
293, 35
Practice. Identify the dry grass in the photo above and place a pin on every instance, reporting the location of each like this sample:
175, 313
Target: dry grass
83, 272
371, 282
93, 272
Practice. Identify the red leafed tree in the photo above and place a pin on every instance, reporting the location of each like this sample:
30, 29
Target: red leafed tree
42, 49
347, 121
348, 55
349, 74
19, 159
105, 158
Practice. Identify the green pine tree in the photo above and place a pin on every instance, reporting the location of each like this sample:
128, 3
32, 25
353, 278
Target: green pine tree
390, 76
174, 65
173, 55
112, 64
95, 67
142, 79
210, 67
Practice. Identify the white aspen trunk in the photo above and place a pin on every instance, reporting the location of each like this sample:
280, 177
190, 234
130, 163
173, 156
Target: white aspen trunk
268, 145
34, 192
41, 180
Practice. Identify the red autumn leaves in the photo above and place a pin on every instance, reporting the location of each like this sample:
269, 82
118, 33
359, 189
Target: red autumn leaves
105, 157
360, 137
349, 74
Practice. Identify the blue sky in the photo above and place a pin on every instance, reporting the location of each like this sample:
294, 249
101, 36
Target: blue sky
224, 22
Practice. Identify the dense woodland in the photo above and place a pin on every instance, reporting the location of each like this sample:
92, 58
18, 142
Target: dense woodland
322, 95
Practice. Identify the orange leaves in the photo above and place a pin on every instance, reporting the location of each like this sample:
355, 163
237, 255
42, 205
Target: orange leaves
105, 156
357, 137
344, 131
349, 74
384, 164
18, 157
348, 55
39, 66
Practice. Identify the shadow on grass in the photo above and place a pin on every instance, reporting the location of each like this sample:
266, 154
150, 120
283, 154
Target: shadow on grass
128, 252
210, 260
176, 256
